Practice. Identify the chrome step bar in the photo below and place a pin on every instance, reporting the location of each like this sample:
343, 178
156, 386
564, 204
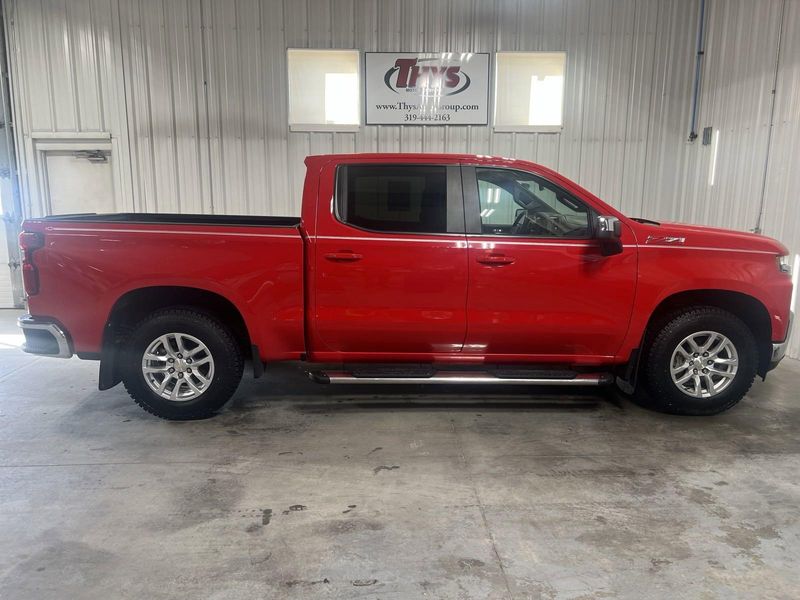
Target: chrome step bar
462, 377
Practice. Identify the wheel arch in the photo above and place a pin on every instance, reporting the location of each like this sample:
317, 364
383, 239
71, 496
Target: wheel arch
748, 308
132, 306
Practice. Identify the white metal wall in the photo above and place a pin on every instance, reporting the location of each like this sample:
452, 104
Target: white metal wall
782, 189
193, 94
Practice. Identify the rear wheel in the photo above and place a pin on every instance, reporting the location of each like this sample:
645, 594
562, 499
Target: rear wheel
701, 362
181, 364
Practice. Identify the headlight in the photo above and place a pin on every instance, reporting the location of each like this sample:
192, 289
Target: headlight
783, 264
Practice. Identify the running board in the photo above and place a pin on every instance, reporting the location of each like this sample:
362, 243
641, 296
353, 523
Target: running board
461, 377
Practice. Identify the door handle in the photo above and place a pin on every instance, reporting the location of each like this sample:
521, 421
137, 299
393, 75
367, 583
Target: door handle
343, 256
497, 260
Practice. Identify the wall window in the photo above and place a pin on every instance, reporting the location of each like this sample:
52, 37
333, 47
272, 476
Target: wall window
324, 92
519, 203
529, 91
402, 198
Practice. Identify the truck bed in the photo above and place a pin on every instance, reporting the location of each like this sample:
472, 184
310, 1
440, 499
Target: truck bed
96, 260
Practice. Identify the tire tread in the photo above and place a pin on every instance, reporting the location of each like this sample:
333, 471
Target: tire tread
659, 391
227, 340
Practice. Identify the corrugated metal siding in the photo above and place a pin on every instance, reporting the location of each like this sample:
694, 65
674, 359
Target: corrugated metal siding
166, 106
738, 76
782, 192
66, 65
736, 99
194, 96
10, 275
204, 109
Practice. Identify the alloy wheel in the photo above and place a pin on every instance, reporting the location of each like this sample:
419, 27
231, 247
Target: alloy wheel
704, 364
178, 367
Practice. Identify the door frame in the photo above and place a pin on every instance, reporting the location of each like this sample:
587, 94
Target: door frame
475, 235
327, 219
98, 142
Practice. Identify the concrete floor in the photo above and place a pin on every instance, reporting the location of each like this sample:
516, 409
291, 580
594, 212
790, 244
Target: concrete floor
304, 491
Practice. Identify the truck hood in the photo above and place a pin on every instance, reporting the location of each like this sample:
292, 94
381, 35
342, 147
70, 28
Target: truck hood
680, 234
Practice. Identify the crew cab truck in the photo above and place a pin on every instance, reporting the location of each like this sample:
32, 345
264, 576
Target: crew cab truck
411, 268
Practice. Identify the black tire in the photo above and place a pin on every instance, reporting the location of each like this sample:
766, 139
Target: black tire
661, 393
227, 362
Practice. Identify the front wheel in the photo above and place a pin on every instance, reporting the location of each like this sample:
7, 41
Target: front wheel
181, 364
701, 362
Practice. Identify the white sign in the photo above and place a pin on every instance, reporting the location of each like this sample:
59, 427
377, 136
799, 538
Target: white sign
445, 88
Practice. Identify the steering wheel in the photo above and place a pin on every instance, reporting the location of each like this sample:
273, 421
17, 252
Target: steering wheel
516, 227
523, 223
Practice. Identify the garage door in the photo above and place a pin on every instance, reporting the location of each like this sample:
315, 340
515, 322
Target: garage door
6, 296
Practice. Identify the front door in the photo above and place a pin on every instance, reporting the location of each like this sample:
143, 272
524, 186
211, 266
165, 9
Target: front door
540, 289
390, 262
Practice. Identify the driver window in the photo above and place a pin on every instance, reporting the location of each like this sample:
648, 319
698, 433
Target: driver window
519, 203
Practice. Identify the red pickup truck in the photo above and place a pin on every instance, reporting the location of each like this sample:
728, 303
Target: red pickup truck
411, 268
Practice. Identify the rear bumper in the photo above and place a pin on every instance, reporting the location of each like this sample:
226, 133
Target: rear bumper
44, 337
779, 348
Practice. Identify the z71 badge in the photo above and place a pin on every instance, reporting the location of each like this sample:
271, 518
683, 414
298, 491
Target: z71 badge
664, 239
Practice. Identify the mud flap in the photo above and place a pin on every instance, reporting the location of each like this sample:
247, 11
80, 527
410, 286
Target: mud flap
109, 374
258, 366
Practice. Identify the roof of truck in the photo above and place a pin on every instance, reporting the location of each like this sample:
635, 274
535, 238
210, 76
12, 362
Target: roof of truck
414, 156
320, 159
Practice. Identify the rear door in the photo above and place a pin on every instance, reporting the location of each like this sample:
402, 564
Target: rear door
390, 263
540, 289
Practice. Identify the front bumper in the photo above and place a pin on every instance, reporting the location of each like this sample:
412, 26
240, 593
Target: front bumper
779, 348
44, 337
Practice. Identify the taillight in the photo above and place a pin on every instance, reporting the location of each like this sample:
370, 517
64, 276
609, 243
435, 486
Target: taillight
29, 241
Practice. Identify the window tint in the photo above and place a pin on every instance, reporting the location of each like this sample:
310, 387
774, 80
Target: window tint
519, 203
403, 198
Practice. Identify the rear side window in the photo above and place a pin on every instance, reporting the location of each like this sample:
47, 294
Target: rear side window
397, 198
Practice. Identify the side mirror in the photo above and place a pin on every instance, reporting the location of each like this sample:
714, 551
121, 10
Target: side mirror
609, 231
